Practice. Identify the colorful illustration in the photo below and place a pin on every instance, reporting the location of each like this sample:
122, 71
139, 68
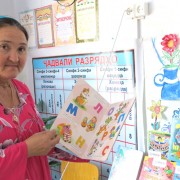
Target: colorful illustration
81, 100
174, 151
90, 125
84, 122
64, 29
65, 132
44, 27
110, 131
159, 142
156, 110
87, 123
157, 169
170, 60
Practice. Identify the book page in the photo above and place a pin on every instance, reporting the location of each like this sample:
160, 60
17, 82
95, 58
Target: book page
109, 129
79, 118
87, 124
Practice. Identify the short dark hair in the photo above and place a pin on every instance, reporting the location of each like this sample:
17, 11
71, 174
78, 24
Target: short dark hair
7, 21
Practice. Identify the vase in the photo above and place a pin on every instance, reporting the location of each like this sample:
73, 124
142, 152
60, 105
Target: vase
169, 82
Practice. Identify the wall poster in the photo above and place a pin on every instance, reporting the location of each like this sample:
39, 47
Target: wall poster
44, 27
86, 18
27, 20
111, 74
64, 30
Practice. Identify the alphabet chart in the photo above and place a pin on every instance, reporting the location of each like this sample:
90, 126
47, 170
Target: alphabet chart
112, 74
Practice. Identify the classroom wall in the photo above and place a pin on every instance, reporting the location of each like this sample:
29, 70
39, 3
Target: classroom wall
162, 18
110, 14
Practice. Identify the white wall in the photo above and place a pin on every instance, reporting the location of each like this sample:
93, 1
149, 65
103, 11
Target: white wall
163, 18
7, 8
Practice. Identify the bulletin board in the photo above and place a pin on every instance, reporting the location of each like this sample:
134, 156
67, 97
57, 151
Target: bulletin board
112, 74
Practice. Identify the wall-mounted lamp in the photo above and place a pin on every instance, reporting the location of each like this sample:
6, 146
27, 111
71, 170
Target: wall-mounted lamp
65, 3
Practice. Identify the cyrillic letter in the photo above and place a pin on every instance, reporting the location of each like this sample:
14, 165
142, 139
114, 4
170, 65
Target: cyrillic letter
111, 111
103, 152
80, 141
72, 109
121, 117
98, 107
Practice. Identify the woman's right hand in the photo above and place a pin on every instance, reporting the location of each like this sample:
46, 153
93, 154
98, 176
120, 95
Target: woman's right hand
41, 143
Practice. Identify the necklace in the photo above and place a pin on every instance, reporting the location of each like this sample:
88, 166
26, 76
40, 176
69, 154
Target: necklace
14, 110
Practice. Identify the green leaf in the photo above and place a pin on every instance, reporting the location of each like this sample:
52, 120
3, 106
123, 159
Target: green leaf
166, 54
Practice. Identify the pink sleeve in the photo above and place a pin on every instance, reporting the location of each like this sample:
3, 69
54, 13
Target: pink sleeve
13, 161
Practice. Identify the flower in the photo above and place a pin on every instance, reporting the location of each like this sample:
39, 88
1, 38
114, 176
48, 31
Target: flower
171, 54
169, 42
156, 109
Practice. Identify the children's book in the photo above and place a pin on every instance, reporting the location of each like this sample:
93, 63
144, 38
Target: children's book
88, 124
126, 164
159, 143
174, 149
157, 169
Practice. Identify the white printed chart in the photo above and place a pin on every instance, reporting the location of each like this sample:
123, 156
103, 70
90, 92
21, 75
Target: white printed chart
111, 74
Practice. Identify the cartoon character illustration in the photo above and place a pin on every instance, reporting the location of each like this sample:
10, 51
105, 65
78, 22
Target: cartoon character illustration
84, 122
65, 132
81, 100
120, 110
91, 124
60, 129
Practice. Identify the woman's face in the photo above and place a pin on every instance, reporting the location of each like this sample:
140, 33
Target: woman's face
13, 52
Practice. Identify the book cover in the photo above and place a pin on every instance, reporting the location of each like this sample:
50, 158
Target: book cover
88, 124
157, 169
174, 149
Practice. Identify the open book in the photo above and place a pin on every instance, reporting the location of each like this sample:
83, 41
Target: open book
88, 124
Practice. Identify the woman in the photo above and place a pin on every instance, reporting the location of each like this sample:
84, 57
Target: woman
23, 143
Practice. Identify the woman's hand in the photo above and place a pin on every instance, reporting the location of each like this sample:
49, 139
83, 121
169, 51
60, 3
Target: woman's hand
41, 143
